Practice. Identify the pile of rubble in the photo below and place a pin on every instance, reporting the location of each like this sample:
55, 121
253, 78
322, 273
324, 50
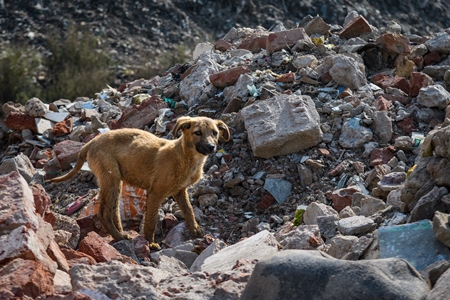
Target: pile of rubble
141, 34
338, 152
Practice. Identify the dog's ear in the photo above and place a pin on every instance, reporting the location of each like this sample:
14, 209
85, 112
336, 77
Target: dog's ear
223, 128
182, 123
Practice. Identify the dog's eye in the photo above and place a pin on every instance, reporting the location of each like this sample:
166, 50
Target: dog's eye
215, 133
199, 133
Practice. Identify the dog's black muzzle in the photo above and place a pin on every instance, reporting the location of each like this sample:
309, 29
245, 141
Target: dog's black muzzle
205, 149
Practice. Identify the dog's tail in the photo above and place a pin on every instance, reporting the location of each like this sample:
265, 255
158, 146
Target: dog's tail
79, 164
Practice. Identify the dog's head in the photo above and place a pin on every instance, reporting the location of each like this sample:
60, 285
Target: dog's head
202, 133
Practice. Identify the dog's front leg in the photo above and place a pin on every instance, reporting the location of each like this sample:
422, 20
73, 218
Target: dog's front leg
182, 198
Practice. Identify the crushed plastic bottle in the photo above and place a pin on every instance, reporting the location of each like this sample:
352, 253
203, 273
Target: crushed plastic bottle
253, 90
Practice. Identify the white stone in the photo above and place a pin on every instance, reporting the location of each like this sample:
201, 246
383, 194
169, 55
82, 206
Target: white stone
282, 125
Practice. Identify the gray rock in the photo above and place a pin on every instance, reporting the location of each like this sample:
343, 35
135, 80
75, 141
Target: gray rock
62, 282
441, 227
293, 125
20, 163
239, 90
35, 108
328, 226
306, 237
371, 205
433, 272
355, 225
314, 275
440, 43
382, 126
417, 180
126, 247
257, 246
433, 96
354, 135
192, 86
347, 212
403, 143
212, 249
316, 209
347, 72
428, 204
392, 181
340, 245
114, 278
359, 247
440, 289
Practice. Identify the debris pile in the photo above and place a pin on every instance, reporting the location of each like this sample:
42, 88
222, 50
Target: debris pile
338, 147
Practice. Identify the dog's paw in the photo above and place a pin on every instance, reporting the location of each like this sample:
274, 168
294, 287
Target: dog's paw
154, 246
197, 231
126, 236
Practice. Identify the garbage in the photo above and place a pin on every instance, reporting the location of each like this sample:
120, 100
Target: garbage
414, 242
417, 138
253, 90
279, 188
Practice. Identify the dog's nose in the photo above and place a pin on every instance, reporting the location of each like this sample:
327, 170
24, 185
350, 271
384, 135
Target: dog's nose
211, 147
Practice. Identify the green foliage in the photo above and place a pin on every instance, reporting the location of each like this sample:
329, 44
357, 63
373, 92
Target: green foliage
76, 66
157, 64
298, 217
16, 78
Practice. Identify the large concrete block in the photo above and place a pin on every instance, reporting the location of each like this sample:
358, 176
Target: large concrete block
282, 125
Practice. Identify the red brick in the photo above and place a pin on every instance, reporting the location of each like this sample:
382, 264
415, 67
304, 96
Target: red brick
42, 201
382, 103
417, 81
405, 100
287, 77
222, 45
95, 246
397, 82
20, 121
67, 152
277, 41
432, 58
406, 125
138, 116
418, 61
24, 243
254, 43
63, 127
26, 278
76, 257
394, 43
381, 156
343, 197
266, 201
141, 248
355, 28
58, 256
228, 77
18, 203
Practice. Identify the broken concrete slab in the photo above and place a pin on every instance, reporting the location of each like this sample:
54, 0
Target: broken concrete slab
257, 246
282, 125
414, 242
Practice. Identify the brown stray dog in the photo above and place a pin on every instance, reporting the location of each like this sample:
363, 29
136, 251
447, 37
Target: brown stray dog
162, 167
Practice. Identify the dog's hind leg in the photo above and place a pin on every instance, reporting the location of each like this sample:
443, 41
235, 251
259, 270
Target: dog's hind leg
109, 209
182, 198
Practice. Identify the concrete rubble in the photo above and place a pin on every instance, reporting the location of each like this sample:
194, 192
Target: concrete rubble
350, 117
